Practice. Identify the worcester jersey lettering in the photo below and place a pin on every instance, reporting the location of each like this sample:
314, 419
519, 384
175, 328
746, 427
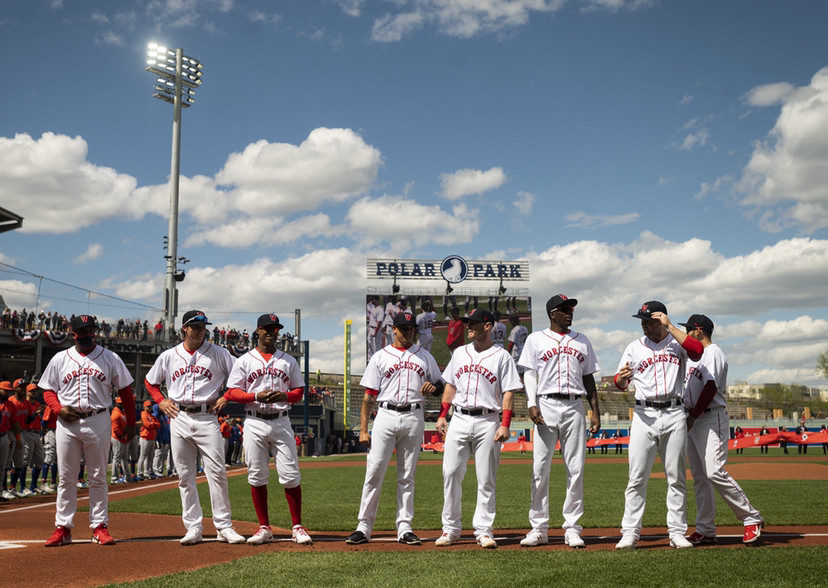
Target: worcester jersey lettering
399, 374
192, 378
253, 374
85, 382
481, 378
658, 368
561, 361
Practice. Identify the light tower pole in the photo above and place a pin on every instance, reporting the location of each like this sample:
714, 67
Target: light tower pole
178, 78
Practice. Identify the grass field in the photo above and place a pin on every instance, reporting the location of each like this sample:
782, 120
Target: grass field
331, 499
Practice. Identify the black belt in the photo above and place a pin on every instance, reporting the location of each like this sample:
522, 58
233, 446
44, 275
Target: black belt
86, 415
268, 416
557, 396
400, 407
474, 411
194, 409
662, 405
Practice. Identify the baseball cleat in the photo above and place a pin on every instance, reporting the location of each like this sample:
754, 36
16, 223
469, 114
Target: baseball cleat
679, 542
445, 540
229, 535
627, 542
101, 535
263, 535
574, 540
486, 542
300, 535
25, 493
61, 536
356, 538
753, 532
192, 537
534, 538
410, 538
698, 539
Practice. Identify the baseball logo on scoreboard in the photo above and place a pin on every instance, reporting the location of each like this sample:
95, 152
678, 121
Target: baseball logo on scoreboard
454, 269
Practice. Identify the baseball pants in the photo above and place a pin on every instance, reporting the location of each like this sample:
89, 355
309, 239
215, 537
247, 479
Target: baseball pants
162, 451
425, 340
33, 450
263, 438
470, 435
49, 447
85, 438
662, 431
144, 467
18, 451
707, 454
119, 457
5, 450
565, 421
191, 434
402, 431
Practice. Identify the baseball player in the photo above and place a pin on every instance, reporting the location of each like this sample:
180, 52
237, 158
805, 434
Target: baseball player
119, 442
481, 380
398, 377
391, 310
267, 381
149, 430
49, 473
23, 417
656, 363
35, 456
7, 421
376, 316
498, 330
707, 435
455, 333
517, 339
194, 371
425, 322
77, 385
559, 364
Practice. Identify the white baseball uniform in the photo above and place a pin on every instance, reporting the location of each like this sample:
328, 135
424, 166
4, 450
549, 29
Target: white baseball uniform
707, 442
499, 334
518, 337
391, 310
658, 425
267, 429
194, 381
480, 379
376, 317
425, 322
84, 383
556, 365
396, 375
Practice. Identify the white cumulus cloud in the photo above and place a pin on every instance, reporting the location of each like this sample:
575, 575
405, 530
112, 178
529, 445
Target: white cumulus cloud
466, 182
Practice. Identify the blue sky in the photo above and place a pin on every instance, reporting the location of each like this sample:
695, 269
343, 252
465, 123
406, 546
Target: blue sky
629, 149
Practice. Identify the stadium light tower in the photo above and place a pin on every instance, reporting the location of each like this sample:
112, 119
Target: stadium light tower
178, 76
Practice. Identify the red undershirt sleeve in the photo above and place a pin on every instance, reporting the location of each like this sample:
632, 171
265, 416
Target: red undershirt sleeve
128, 402
154, 391
51, 400
372, 392
295, 395
706, 396
239, 395
694, 348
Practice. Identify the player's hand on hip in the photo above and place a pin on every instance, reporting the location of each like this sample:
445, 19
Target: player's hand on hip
168, 407
442, 426
535, 415
218, 406
502, 434
67, 413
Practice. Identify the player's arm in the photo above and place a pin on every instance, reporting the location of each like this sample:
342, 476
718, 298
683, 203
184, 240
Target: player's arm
503, 432
368, 402
445, 404
128, 402
165, 405
592, 399
693, 347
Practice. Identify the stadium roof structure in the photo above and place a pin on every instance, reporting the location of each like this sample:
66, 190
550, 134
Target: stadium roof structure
9, 221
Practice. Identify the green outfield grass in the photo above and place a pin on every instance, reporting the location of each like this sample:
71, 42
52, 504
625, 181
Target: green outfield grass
331, 500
